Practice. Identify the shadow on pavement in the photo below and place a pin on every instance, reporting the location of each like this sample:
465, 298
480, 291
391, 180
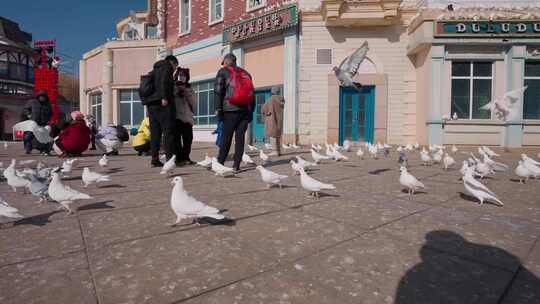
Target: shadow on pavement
474, 200
98, 205
36, 220
379, 171
444, 278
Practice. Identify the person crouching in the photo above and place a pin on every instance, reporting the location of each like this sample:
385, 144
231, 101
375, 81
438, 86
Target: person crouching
141, 141
73, 139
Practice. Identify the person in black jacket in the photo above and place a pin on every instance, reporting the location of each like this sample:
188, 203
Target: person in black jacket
160, 107
235, 118
39, 110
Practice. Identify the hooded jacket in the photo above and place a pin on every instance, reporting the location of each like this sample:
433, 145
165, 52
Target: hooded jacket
75, 138
38, 111
143, 135
163, 83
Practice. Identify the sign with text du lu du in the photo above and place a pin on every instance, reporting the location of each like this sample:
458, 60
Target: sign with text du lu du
513, 28
279, 19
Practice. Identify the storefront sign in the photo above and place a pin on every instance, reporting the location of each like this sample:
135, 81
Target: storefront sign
512, 28
273, 21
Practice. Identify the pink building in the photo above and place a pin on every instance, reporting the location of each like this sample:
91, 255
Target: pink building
110, 73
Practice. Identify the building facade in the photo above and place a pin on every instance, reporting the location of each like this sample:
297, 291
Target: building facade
109, 75
16, 74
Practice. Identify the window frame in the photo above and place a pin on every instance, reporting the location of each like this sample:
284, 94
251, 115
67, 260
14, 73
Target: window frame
98, 118
525, 77
254, 8
146, 36
211, 10
211, 112
180, 33
471, 79
130, 102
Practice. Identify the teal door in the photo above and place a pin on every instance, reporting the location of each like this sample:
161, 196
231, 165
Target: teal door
357, 114
257, 125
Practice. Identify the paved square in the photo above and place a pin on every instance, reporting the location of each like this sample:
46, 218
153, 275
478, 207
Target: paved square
366, 242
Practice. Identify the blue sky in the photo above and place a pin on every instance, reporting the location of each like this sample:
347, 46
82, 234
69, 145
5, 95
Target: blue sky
77, 25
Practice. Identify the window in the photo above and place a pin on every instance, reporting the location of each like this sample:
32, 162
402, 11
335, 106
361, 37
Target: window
531, 97
95, 107
255, 4
185, 16
3, 64
205, 109
471, 89
215, 12
151, 32
132, 110
130, 34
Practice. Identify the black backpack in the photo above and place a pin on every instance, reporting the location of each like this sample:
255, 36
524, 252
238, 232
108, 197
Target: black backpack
122, 133
146, 86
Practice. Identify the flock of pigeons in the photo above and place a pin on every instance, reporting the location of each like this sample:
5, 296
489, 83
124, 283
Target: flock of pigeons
46, 182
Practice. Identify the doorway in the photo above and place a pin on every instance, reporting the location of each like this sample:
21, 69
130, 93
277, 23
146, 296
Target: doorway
257, 126
356, 114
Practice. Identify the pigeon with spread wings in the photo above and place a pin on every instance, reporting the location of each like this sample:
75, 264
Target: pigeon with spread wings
349, 67
505, 108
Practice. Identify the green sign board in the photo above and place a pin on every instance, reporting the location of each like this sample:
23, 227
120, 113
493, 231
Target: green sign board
514, 28
274, 21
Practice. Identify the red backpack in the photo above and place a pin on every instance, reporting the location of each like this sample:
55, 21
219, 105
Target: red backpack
242, 87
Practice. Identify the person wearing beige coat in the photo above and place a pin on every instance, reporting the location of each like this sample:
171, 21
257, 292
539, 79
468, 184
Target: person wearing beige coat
272, 111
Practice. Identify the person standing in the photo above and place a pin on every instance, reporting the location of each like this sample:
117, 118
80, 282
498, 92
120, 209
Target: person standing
39, 110
160, 105
273, 119
234, 98
184, 101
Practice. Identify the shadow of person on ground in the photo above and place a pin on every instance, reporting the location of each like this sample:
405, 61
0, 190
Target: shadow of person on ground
465, 275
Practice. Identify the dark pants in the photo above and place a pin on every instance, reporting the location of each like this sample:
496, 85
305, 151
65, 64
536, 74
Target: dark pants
142, 148
30, 142
161, 123
184, 139
234, 123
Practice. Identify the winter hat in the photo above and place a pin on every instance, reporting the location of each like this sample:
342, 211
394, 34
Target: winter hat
77, 115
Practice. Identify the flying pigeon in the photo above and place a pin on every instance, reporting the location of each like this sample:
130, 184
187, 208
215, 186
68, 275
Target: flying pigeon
448, 161
8, 211
246, 159
318, 157
312, 185
186, 206
506, 108
103, 161
349, 67
89, 177
206, 162
169, 166
409, 181
271, 178
523, 172
64, 194
477, 189
264, 157
219, 169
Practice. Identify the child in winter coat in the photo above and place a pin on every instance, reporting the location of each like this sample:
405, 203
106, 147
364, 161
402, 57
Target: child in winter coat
73, 139
141, 141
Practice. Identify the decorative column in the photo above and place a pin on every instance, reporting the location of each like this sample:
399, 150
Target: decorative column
107, 97
83, 98
290, 87
239, 52
436, 77
515, 69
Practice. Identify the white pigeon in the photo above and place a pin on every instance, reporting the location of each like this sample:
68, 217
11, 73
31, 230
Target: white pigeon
454, 149
169, 166
409, 181
296, 167
15, 181
264, 157
416, 146
286, 146
64, 194
347, 145
252, 148
5, 145
295, 146
529, 163
373, 150
186, 206
482, 169
505, 108
8, 211
246, 159
432, 148
529, 160
448, 161
219, 169
103, 161
464, 167
27, 162
360, 153
268, 146
304, 163
312, 185
89, 177
400, 148
496, 166
338, 156
317, 158
271, 178
489, 152
316, 147
523, 172
206, 162
478, 190
454, 116
329, 151
409, 148
425, 158
67, 166
437, 157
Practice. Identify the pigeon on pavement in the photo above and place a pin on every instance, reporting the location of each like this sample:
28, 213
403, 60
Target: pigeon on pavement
7, 211
454, 149
64, 194
206, 162
271, 178
186, 206
478, 190
252, 148
296, 167
103, 161
360, 153
246, 159
219, 169
425, 158
312, 185
89, 177
318, 157
409, 181
169, 166
304, 163
264, 157
448, 161
522, 172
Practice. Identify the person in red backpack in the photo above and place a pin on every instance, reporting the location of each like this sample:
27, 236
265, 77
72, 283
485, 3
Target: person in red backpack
235, 101
74, 139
